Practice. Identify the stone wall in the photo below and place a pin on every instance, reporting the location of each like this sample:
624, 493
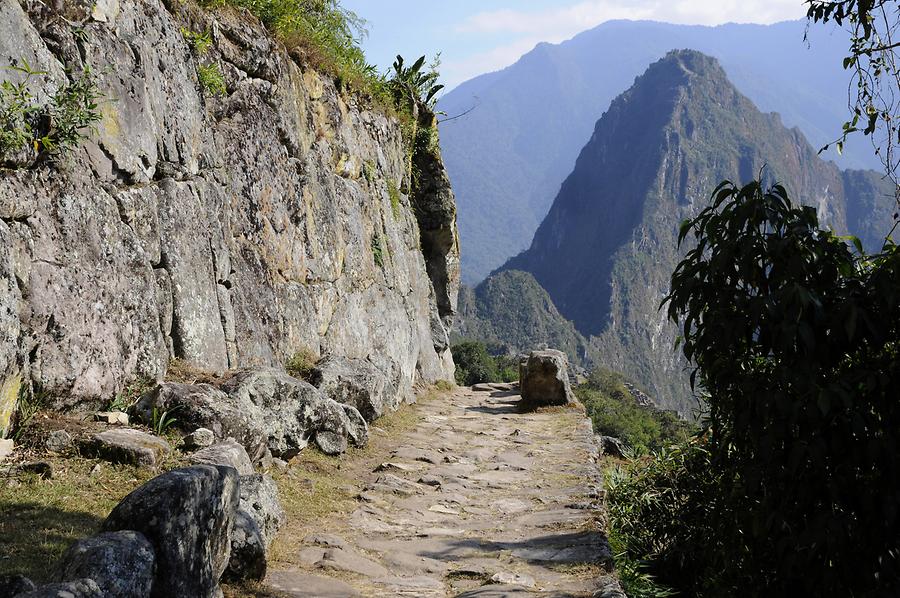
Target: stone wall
229, 231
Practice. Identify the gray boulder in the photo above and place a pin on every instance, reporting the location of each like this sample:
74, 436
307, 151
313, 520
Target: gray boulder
355, 382
291, 411
122, 563
357, 428
248, 550
80, 588
259, 498
58, 441
187, 515
204, 406
544, 380
199, 438
258, 519
228, 453
127, 446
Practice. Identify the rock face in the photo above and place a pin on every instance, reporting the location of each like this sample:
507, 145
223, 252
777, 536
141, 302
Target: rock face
228, 453
358, 383
80, 588
187, 515
544, 380
122, 563
230, 231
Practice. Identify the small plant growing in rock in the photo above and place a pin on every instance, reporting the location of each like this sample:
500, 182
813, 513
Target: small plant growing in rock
130, 394
211, 79
161, 421
27, 125
199, 42
394, 195
301, 364
377, 251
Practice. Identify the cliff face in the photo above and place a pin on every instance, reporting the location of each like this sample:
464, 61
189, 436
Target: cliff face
606, 250
228, 230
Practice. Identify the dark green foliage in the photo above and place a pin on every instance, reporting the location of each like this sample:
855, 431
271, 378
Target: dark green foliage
661, 521
794, 335
377, 251
49, 128
474, 364
615, 412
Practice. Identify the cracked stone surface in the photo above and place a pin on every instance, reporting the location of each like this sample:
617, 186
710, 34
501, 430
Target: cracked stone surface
476, 500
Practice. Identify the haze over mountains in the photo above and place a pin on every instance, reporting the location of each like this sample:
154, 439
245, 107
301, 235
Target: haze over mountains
509, 156
607, 248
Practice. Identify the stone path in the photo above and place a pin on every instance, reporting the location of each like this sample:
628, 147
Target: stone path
477, 501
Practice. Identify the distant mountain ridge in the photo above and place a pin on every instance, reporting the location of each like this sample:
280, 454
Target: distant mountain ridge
607, 248
508, 157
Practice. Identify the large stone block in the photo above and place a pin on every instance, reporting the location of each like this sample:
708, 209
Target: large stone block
544, 380
187, 515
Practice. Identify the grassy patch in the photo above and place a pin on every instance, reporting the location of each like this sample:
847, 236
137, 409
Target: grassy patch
302, 363
394, 195
183, 371
211, 79
40, 518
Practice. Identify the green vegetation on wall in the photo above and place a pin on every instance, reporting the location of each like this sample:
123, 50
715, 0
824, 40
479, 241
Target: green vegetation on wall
45, 128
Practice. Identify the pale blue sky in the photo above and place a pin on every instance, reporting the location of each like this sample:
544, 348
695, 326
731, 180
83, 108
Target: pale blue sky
478, 36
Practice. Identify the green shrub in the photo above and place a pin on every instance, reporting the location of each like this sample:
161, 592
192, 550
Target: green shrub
615, 412
377, 251
50, 128
474, 364
211, 79
794, 336
302, 363
662, 525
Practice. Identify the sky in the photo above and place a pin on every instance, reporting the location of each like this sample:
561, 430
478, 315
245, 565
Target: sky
480, 36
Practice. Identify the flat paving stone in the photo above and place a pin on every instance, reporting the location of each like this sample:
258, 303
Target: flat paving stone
475, 491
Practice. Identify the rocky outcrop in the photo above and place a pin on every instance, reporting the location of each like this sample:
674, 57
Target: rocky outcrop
264, 410
187, 515
544, 380
229, 231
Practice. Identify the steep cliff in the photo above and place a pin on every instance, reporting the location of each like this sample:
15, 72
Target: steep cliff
607, 248
227, 229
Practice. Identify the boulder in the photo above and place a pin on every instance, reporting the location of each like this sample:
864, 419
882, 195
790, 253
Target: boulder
58, 441
357, 428
259, 498
612, 446
544, 380
122, 563
248, 550
127, 446
199, 438
187, 515
258, 519
204, 406
228, 453
80, 588
291, 411
356, 382
12, 585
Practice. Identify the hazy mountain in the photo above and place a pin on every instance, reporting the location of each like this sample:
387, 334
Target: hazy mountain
511, 311
508, 157
607, 248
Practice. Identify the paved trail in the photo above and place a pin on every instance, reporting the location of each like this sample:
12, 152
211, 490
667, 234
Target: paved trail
475, 491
